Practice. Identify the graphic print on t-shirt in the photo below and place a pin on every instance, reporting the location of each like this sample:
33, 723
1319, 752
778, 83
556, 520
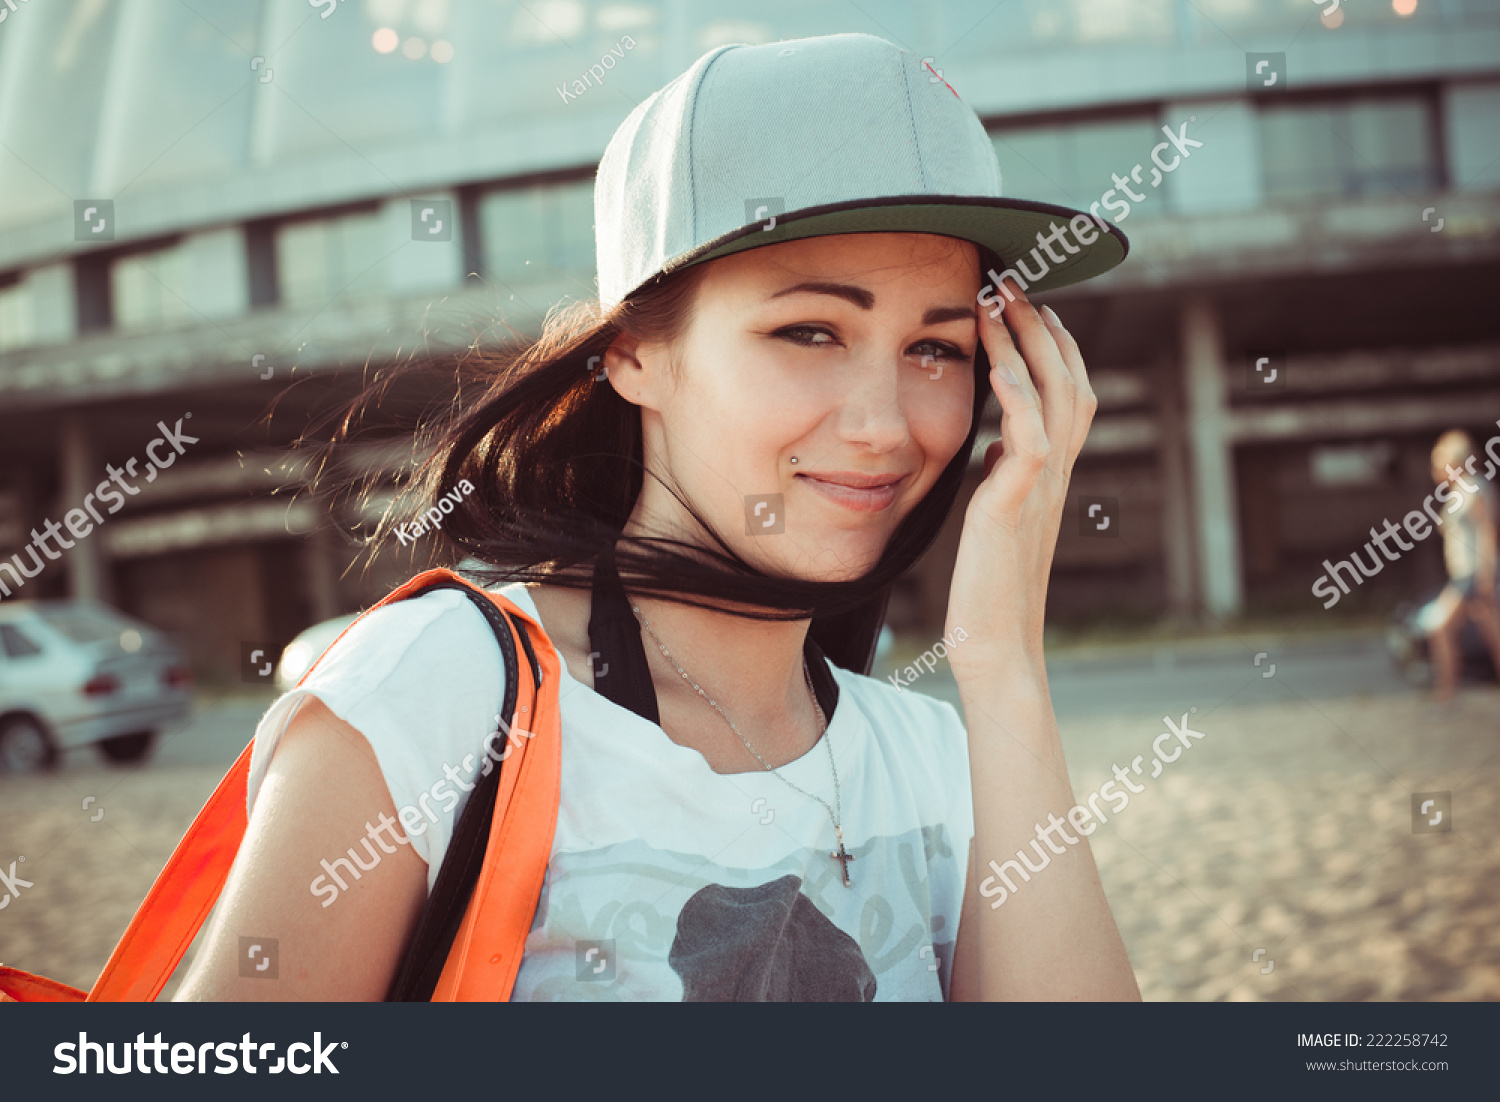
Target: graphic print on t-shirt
765, 944
707, 931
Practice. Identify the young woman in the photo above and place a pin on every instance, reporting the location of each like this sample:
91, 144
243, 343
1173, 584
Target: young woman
760, 427
1470, 555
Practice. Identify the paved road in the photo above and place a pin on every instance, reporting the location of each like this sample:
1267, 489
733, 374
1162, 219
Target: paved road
216, 734
1203, 674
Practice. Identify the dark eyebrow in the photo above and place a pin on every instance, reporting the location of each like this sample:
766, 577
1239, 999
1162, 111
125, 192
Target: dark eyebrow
866, 301
940, 314
857, 295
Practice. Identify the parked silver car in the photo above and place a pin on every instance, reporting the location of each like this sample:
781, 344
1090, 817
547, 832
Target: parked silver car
74, 673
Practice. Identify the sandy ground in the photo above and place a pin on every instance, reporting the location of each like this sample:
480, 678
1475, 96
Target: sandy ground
1287, 828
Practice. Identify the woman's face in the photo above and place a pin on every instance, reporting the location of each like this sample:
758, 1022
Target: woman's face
853, 353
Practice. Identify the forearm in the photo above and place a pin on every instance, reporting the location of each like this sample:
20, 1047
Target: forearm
1053, 937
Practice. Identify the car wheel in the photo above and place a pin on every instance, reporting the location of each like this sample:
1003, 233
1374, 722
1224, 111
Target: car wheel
128, 748
25, 746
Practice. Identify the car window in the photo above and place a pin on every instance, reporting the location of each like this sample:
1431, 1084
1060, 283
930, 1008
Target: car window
83, 625
15, 642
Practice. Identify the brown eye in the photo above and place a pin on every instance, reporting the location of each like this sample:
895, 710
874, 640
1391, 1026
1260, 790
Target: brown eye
805, 336
942, 350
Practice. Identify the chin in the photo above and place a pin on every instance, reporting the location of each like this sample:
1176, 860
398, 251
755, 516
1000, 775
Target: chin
842, 560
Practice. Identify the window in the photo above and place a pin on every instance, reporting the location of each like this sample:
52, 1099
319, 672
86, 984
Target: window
16, 644
1073, 164
1355, 147
83, 624
17, 320
320, 259
1352, 464
152, 290
539, 233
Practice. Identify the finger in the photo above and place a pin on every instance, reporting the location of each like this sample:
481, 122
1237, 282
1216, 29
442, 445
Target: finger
1048, 371
1002, 350
1087, 403
1025, 447
992, 456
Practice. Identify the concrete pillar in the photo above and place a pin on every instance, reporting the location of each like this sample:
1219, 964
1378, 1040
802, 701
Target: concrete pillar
1178, 559
88, 576
1215, 510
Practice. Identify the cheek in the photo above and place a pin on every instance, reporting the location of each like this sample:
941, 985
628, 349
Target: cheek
744, 401
939, 418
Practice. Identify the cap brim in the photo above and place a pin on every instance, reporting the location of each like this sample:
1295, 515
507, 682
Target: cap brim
1008, 226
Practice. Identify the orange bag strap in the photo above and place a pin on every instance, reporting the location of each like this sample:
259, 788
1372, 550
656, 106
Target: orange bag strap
487, 950
499, 912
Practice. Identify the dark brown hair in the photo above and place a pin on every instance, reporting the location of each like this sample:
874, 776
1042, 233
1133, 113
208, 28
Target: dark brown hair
555, 460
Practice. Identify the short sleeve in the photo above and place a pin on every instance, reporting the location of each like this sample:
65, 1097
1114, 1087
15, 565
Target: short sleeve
422, 680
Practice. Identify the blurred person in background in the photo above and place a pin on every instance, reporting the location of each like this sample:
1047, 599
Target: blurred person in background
1469, 541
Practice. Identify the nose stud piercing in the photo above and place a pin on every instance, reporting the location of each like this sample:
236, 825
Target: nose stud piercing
794, 459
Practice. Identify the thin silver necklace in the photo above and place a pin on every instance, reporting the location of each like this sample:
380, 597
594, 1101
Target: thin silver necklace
835, 813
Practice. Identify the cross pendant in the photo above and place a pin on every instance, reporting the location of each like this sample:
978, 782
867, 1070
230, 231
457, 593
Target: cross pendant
843, 857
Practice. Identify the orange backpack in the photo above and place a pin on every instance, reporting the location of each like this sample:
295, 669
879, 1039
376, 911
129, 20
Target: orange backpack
469, 940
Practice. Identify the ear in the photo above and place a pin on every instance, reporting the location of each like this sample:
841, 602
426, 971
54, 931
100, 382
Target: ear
637, 370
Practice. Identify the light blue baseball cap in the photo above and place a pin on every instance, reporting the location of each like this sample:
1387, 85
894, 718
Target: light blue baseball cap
844, 133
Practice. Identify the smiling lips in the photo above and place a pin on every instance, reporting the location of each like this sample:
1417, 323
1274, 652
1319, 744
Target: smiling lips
865, 493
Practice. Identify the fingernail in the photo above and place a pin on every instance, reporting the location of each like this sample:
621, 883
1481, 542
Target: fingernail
1051, 313
1009, 376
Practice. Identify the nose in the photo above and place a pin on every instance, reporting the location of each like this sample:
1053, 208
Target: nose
873, 412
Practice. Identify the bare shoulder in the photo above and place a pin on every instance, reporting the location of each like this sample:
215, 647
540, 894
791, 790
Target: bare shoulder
323, 788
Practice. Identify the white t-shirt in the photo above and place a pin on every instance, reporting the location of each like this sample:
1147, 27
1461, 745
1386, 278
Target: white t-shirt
667, 880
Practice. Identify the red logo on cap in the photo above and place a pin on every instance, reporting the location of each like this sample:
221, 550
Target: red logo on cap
939, 75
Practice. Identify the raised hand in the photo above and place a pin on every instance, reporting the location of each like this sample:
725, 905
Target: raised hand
999, 590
